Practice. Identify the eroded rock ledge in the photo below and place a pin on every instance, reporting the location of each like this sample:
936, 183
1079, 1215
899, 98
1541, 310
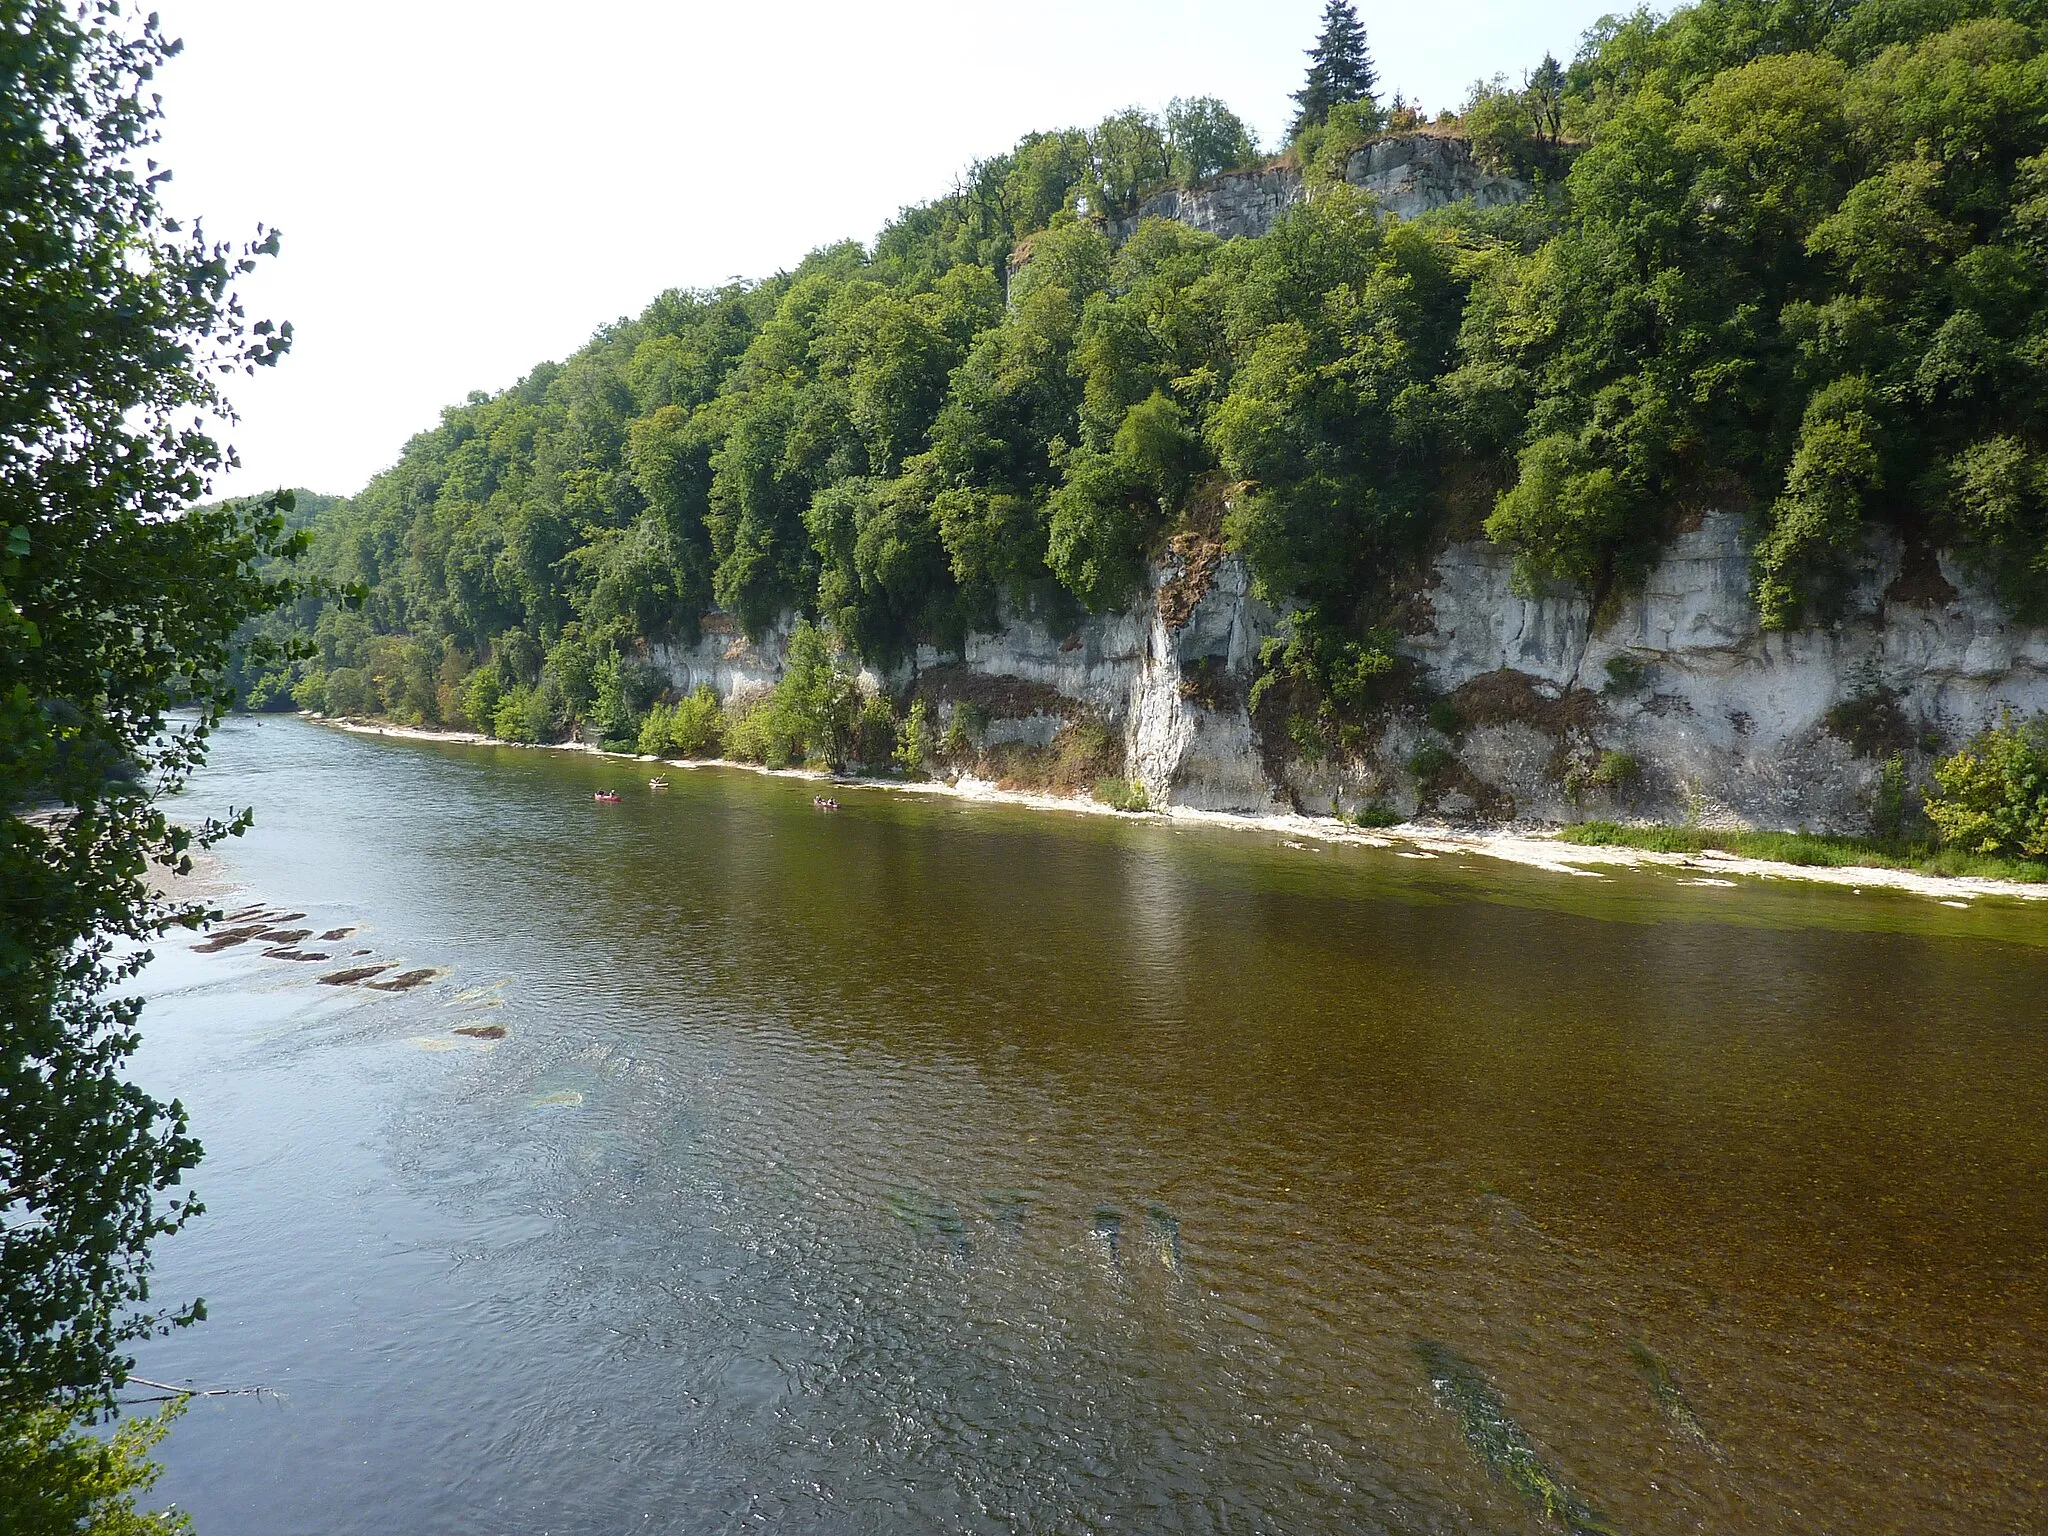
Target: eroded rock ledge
1714, 717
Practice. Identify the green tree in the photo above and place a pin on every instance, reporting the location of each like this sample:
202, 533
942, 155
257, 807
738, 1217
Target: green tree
816, 703
1992, 797
1203, 136
59, 1479
1340, 67
1131, 158
117, 605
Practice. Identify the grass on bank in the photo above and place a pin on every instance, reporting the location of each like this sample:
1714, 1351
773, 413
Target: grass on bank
1808, 848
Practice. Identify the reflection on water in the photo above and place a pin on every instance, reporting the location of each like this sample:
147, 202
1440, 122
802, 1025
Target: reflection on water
935, 1166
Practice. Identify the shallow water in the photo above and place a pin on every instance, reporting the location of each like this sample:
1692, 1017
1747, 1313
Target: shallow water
938, 1166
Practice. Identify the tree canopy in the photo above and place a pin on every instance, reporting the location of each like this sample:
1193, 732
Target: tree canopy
1340, 67
1785, 259
117, 606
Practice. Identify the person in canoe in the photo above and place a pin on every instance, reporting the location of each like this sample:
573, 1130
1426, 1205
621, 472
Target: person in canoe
657, 782
606, 797
825, 802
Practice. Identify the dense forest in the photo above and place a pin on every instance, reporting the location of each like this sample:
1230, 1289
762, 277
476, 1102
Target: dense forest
1785, 256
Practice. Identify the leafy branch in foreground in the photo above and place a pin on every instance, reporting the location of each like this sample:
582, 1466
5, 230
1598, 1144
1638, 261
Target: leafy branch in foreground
118, 327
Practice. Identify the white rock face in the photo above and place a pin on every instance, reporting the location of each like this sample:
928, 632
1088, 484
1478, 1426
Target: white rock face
1413, 173
1409, 173
725, 659
1722, 719
1728, 718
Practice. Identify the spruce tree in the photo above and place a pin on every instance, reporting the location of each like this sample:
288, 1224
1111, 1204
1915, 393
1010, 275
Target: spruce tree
1339, 67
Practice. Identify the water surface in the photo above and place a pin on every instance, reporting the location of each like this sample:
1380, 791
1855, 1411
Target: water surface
942, 1167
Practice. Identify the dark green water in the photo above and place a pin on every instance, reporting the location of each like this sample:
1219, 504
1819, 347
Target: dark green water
937, 1167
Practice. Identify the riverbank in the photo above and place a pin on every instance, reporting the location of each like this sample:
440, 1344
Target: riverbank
1532, 847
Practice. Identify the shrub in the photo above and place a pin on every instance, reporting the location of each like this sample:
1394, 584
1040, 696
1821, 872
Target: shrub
914, 743
480, 695
654, 730
512, 719
1888, 804
1615, 770
973, 719
348, 692
875, 733
754, 731
817, 704
1871, 723
271, 694
1429, 760
1377, 814
623, 690
1625, 674
696, 726
1992, 796
1123, 794
1085, 751
1444, 716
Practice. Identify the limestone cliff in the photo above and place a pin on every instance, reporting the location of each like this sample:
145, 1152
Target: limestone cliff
1409, 173
1712, 716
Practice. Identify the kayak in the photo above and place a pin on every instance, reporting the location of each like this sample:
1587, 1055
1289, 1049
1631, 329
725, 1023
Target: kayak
606, 797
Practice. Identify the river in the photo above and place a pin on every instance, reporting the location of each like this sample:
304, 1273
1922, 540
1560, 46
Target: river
945, 1166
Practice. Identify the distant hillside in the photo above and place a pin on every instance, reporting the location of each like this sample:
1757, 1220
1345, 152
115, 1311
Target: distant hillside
1782, 258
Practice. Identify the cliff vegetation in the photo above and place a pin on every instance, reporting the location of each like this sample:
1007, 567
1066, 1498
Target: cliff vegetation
1786, 256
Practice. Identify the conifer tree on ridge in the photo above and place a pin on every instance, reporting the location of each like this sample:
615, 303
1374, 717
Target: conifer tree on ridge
1340, 67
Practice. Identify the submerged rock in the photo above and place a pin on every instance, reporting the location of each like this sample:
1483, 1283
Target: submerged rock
1164, 1228
1669, 1396
1501, 1444
354, 976
405, 982
228, 938
1106, 1226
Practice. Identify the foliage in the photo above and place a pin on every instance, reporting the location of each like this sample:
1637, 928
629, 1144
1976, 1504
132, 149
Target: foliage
1520, 131
915, 747
1870, 722
1808, 848
1625, 674
1798, 268
1320, 683
1889, 805
1992, 796
692, 727
1123, 794
1615, 770
621, 691
1786, 259
816, 714
117, 606
1340, 68
1429, 760
59, 1479
1203, 136
1376, 814
1324, 149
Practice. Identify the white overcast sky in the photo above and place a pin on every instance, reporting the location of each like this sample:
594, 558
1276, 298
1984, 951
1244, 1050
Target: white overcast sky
468, 187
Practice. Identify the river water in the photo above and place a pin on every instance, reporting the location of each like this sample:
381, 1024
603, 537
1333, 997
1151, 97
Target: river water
934, 1166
